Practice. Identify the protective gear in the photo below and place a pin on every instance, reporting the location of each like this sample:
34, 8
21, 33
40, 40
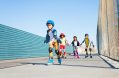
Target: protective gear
50, 22
62, 34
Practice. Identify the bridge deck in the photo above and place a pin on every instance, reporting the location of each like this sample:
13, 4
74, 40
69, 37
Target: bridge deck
70, 68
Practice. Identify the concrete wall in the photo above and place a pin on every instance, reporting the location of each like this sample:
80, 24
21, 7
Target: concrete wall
108, 29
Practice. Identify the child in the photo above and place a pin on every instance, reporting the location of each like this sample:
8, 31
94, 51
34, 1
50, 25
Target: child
87, 42
63, 43
75, 44
52, 39
90, 49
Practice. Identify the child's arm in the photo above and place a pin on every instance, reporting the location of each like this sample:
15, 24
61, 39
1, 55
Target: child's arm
46, 38
67, 43
92, 44
82, 42
59, 41
72, 43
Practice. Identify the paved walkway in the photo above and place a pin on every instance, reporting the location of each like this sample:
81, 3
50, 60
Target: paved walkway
71, 68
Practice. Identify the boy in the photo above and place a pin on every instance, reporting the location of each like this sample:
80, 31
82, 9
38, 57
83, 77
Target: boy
51, 38
91, 47
87, 42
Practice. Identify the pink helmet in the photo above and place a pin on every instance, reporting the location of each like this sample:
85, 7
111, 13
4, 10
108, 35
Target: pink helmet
62, 34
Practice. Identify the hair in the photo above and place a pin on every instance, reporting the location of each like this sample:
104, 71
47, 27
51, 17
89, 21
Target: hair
86, 35
62, 35
75, 37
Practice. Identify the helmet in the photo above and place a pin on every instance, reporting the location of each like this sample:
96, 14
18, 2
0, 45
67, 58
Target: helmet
50, 22
62, 34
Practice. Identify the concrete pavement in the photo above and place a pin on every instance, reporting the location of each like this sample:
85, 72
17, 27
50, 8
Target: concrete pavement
71, 68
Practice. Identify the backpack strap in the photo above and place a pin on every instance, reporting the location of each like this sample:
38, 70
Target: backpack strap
54, 33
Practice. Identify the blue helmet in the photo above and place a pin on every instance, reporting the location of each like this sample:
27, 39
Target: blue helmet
50, 22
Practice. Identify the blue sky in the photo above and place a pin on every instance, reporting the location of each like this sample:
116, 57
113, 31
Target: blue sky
72, 17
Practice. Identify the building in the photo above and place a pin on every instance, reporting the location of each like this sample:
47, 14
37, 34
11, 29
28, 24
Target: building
108, 29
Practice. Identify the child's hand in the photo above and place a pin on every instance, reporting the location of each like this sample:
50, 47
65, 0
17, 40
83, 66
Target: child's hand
44, 41
53, 43
68, 44
80, 44
93, 46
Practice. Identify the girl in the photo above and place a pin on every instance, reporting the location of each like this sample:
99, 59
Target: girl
63, 43
75, 44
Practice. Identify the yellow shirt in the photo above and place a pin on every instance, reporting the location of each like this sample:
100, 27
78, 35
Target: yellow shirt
87, 41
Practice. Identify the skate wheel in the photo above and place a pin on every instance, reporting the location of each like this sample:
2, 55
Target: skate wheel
90, 56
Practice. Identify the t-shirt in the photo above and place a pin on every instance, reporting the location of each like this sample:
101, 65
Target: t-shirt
63, 41
51, 35
75, 43
87, 41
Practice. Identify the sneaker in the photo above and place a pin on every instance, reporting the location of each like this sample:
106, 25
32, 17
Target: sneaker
50, 61
86, 56
78, 57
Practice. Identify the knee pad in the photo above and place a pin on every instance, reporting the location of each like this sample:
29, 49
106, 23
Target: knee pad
90, 49
60, 53
50, 50
65, 53
57, 52
86, 49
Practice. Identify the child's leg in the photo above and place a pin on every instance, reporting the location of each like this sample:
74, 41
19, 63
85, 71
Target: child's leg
56, 51
56, 46
86, 51
90, 52
65, 54
50, 53
61, 50
50, 61
77, 53
59, 57
74, 51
